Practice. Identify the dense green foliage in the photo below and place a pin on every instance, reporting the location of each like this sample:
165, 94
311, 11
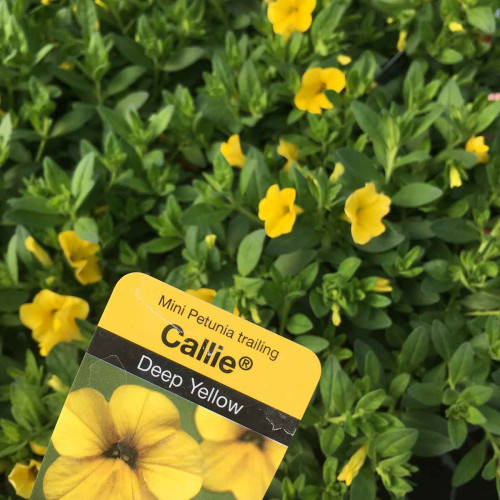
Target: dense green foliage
113, 117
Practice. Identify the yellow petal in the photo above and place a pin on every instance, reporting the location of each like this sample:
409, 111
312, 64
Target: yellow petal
351, 469
86, 415
288, 150
22, 477
455, 179
401, 45
334, 79
38, 449
173, 467
93, 479
338, 172
213, 427
382, 285
231, 150
344, 59
270, 205
42, 256
239, 467
140, 414
88, 271
206, 294
287, 196
477, 146
279, 226
57, 384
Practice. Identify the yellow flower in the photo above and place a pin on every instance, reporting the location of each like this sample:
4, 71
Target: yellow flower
344, 59
22, 477
231, 151
56, 384
311, 95
455, 179
455, 26
130, 448
365, 209
210, 240
336, 318
235, 458
41, 255
382, 285
351, 468
290, 152
46, 2
208, 295
102, 5
288, 16
80, 255
51, 318
401, 45
68, 66
338, 172
38, 449
477, 146
278, 210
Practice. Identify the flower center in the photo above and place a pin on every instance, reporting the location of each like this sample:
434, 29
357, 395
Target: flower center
253, 437
124, 452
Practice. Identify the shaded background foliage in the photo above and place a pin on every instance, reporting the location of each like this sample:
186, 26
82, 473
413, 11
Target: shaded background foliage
113, 116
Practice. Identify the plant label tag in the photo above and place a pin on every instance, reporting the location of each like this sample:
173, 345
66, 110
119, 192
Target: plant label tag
176, 399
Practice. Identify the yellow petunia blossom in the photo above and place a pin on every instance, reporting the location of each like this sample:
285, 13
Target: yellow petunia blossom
80, 255
56, 384
278, 210
338, 172
231, 151
288, 16
351, 468
68, 66
36, 249
455, 26
22, 477
208, 295
311, 95
477, 146
344, 59
290, 152
131, 447
401, 45
235, 458
455, 178
38, 449
210, 240
365, 209
51, 318
382, 285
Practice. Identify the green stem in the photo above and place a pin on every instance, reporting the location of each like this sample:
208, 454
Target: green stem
491, 439
493, 312
284, 316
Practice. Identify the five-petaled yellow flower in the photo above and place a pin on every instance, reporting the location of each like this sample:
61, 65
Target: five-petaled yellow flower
80, 255
22, 477
51, 318
235, 458
290, 152
365, 209
288, 16
278, 211
351, 468
231, 150
311, 95
130, 448
455, 178
477, 146
382, 285
37, 250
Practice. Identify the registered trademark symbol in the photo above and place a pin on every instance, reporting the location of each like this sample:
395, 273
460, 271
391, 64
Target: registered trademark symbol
245, 363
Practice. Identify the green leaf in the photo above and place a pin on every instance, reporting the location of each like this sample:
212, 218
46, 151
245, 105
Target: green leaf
82, 181
183, 58
442, 340
395, 441
124, 79
159, 121
343, 392
203, 213
370, 318
312, 342
416, 194
469, 465
33, 212
482, 18
364, 486
369, 122
330, 439
414, 350
330, 367
429, 394
454, 230
348, 267
371, 401
457, 431
359, 169
73, 120
461, 363
248, 81
299, 324
250, 251
87, 229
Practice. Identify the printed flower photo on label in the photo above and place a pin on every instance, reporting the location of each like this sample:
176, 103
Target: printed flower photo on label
131, 447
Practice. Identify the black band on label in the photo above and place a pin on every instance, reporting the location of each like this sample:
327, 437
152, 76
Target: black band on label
193, 386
